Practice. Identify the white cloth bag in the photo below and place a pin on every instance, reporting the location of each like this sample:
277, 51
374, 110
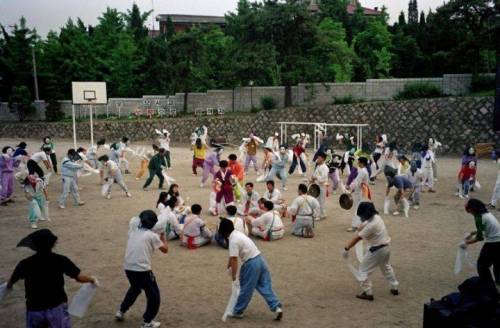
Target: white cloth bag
235, 292
81, 300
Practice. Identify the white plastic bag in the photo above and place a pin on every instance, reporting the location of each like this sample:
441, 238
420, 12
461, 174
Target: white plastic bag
477, 185
105, 187
360, 251
81, 300
387, 204
3, 291
461, 260
235, 292
354, 271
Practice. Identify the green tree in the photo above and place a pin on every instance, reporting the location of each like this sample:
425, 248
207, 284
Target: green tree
136, 21
413, 12
16, 66
21, 100
372, 49
332, 53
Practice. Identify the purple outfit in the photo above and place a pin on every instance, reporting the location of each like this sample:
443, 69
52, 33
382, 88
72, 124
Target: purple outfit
352, 176
7, 165
208, 166
466, 159
226, 189
57, 317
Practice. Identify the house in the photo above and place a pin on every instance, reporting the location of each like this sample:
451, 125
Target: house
183, 22
351, 8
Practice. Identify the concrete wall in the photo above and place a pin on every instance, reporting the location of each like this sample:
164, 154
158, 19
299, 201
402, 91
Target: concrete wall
455, 122
242, 99
9, 114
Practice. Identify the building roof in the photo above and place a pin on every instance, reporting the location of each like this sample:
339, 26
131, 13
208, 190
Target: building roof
192, 19
367, 11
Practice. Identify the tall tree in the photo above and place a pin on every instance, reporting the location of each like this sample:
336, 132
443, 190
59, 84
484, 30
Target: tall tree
413, 12
372, 49
16, 66
333, 56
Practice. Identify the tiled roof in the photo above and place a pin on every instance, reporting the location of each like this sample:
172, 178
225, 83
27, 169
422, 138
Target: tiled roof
369, 12
192, 19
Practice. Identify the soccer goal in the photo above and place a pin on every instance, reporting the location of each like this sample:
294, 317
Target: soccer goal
87, 94
322, 128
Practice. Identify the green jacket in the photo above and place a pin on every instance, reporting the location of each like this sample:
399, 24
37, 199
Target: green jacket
157, 162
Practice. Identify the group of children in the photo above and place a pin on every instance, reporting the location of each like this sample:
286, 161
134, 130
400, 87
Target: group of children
242, 211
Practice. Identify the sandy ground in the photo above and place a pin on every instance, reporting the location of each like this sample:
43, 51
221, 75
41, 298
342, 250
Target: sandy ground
309, 276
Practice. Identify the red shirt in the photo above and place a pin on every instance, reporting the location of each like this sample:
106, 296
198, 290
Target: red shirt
298, 150
237, 170
466, 173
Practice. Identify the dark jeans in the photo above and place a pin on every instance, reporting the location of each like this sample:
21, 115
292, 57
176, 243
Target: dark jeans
167, 158
152, 174
294, 165
33, 168
490, 255
142, 281
53, 159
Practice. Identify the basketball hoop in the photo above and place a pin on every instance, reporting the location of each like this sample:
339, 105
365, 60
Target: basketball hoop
88, 93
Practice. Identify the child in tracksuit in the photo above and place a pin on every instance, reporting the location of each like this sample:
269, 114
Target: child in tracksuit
113, 174
34, 188
142, 242
69, 170
155, 166
466, 178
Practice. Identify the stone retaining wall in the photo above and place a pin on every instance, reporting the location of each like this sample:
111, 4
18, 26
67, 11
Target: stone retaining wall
453, 121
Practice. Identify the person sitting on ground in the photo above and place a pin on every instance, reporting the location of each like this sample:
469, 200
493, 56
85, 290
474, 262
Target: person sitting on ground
268, 226
304, 210
274, 195
161, 204
43, 275
195, 233
168, 221
249, 201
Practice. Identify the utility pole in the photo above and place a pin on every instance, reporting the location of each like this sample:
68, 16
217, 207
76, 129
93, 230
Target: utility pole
34, 73
153, 15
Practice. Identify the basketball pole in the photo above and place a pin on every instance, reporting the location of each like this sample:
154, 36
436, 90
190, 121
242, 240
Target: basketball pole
91, 127
74, 124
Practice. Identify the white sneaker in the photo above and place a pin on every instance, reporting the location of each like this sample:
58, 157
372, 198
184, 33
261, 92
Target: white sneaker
285, 188
62, 207
279, 314
461, 196
395, 213
34, 226
43, 219
108, 196
416, 207
152, 324
119, 316
202, 185
129, 195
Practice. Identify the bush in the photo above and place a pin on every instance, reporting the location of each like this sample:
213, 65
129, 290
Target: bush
21, 100
53, 111
345, 100
419, 90
268, 102
482, 83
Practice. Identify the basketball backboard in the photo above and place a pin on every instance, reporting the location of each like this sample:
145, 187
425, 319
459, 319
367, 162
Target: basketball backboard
89, 93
